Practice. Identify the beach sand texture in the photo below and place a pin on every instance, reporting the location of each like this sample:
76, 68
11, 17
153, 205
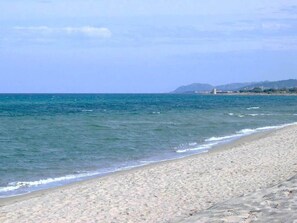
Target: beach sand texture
168, 191
275, 204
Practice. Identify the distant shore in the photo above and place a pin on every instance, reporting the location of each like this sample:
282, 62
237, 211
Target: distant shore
244, 94
168, 191
257, 94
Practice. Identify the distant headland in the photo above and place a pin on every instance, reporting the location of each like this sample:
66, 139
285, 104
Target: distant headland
264, 87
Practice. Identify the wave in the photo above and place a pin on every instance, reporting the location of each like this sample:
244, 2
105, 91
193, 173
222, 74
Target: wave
250, 131
221, 138
251, 114
261, 114
256, 114
23, 187
204, 147
213, 141
238, 115
252, 108
26, 184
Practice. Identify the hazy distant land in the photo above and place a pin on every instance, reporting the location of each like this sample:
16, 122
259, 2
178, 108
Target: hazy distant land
265, 87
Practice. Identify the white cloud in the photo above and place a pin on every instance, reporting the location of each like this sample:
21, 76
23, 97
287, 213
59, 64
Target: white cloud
275, 26
89, 31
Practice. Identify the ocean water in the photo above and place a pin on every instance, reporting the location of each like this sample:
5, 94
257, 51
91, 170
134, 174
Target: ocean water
49, 140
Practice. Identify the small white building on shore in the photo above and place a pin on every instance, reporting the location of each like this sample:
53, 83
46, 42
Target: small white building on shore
214, 91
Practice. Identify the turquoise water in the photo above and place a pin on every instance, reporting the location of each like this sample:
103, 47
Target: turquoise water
50, 140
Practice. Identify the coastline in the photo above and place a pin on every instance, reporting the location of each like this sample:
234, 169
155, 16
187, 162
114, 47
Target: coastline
144, 190
216, 148
245, 94
210, 144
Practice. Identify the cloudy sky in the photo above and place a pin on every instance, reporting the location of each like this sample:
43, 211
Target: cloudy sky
143, 45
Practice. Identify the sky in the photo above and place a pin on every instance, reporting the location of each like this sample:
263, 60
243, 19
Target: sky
143, 46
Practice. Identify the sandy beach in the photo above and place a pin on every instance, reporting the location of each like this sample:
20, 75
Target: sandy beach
273, 204
252, 175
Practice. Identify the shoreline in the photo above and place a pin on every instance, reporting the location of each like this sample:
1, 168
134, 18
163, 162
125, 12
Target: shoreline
155, 171
224, 145
233, 139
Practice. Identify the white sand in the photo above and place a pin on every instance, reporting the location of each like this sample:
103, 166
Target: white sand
276, 204
169, 191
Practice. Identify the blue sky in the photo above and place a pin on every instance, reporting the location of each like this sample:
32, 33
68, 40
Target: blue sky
143, 45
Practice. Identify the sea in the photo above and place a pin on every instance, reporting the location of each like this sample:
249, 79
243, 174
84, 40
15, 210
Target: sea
49, 140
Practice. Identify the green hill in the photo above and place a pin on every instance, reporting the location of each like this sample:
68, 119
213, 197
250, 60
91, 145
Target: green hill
194, 87
198, 87
291, 83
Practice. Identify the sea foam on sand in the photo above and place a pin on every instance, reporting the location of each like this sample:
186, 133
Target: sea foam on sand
169, 191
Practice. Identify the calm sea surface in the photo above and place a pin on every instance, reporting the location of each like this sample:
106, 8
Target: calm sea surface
50, 140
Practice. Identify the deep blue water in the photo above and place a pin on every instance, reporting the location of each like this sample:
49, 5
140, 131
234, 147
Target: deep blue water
49, 140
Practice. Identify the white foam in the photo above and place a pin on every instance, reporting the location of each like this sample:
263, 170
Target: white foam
223, 139
246, 131
14, 186
26, 184
201, 147
85, 110
253, 108
157, 112
238, 115
269, 127
9, 188
261, 114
